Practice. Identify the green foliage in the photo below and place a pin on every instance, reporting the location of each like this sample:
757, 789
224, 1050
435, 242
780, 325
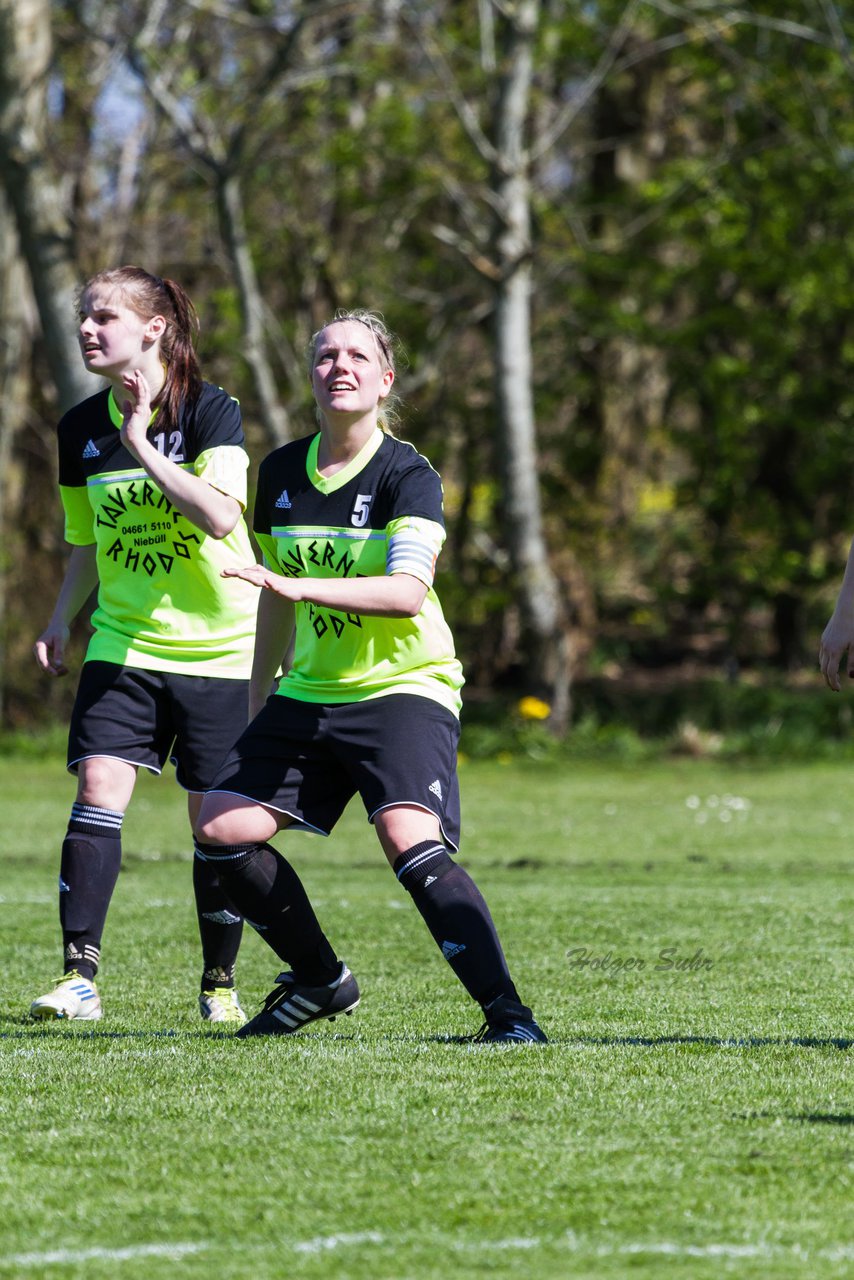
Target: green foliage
625, 720
692, 255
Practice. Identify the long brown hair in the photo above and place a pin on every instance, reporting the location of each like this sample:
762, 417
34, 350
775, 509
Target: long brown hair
148, 296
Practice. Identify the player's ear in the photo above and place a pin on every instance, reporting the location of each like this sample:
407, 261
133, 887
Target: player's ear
386, 382
155, 328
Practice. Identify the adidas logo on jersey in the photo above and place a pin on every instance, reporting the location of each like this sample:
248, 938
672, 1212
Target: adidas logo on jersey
91, 450
436, 788
283, 501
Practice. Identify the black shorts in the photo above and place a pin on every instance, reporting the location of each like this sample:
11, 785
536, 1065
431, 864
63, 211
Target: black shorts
308, 759
149, 717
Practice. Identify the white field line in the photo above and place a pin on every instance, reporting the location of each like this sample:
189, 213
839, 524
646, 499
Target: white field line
570, 1242
63, 1257
704, 1250
321, 1243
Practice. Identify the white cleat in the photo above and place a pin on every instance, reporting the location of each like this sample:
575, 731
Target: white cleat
221, 1004
72, 997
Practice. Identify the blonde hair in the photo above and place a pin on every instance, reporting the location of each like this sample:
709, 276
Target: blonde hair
389, 349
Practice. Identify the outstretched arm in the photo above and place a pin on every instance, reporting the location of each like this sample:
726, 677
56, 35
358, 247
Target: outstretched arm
838, 635
396, 595
215, 513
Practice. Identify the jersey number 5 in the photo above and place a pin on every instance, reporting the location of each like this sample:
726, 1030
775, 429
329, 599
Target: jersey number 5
361, 509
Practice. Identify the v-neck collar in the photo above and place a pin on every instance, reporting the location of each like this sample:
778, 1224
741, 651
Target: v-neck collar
329, 484
116, 415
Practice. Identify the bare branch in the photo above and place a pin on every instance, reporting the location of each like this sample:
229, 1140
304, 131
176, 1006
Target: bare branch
840, 40
197, 136
465, 112
483, 266
728, 18
278, 64
238, 17
697, 29
573, 109
487, 36
467, 209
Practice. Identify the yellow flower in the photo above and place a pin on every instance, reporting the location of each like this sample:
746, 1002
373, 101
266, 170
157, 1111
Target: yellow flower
534, 709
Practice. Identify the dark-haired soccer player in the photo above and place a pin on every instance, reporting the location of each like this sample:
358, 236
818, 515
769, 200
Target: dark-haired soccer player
154, 505
350, 522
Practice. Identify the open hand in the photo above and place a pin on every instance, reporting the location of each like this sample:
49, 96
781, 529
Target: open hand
264, 578
837, 639
49, 650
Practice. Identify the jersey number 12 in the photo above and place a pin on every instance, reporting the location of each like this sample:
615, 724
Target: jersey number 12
176, 440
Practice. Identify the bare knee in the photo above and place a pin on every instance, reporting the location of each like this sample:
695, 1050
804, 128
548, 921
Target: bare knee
402, 826
105, 782
225, 819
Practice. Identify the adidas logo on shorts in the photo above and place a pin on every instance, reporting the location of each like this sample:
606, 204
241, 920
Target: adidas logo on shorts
436, 788
91, 450
283, 501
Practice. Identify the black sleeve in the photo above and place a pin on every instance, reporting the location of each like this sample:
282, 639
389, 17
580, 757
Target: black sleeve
261, 515
215, 421
71, 471
418, 492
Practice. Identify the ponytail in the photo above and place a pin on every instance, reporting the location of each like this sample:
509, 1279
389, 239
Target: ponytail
183, 377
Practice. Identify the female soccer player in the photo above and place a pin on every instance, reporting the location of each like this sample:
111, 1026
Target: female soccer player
152, 474
350, 522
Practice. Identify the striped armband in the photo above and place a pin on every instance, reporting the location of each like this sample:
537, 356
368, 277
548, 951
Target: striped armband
413, 548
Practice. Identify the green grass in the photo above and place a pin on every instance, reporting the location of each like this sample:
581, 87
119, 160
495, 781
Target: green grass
690, 1121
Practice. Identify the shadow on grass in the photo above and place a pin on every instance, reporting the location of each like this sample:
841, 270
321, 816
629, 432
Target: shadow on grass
52, 1031
723, 1042
66, 1032
806, 1117
818, 1118
69, 1033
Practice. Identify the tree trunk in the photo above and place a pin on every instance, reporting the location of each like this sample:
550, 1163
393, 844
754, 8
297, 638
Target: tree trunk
233, 230
12, 341
25, 59
544, 633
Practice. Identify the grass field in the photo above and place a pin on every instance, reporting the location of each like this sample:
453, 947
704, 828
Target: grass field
684, 932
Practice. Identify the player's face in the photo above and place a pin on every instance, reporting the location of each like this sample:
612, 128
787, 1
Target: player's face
348, 377
113, 338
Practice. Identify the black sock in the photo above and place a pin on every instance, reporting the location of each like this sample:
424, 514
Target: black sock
91, 858
458, 918
265, 888
220, 926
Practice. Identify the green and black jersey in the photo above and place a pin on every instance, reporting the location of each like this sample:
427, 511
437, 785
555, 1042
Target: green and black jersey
382, 514
162, 604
